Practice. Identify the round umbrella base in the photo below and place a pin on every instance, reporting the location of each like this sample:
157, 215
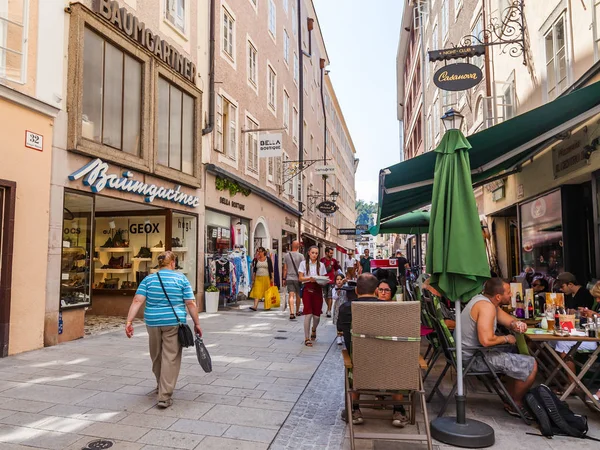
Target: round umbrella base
471, 434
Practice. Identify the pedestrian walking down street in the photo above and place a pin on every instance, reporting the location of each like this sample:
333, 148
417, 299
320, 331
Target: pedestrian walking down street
291, 262
163, 316
262, 276
312, 297
339, 297
332, 268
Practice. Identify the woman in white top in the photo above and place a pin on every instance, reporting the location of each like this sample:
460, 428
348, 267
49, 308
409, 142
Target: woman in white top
312, 296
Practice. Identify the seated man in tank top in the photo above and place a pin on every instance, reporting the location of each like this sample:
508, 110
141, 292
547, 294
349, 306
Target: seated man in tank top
479, 319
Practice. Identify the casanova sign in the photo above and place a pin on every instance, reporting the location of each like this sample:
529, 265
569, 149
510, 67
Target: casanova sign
458, 77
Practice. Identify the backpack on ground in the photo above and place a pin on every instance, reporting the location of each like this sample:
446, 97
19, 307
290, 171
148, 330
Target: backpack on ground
554, 416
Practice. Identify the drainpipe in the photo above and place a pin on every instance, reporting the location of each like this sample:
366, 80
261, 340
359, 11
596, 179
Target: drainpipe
322, 65
488, 75
424, 60
211, 75
300, 105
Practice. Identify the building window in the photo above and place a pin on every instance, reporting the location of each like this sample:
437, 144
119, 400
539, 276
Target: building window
272, 88
478, 32
294, 21
435, 40
228, 39
429, 132
175, 13
286, 47
296, 68
252, 70
175, 127
556, 59
596, 28
272, 18
285, 6
226, 124
13, 40
286, 111
449, 100
295, 125
252, 145
112, 95
436, 118
445, 19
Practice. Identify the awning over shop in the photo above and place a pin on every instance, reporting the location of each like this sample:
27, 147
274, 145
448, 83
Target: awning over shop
502, 148
416, 222
341, 249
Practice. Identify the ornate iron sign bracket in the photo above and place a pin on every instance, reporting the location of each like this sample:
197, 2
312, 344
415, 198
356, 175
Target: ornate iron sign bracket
291, 169
508, 32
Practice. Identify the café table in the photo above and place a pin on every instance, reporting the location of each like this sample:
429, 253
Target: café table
543, 338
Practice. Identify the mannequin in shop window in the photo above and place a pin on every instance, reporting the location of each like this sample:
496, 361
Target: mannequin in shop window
262, 276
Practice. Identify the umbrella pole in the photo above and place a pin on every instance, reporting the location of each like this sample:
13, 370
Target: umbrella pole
460, 431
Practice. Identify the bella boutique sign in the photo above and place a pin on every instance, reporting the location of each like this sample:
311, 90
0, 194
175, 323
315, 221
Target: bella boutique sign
136, 30
458, 77
95, 176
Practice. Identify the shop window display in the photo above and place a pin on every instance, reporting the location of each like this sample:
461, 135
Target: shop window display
127, 250
76, 250
183, 243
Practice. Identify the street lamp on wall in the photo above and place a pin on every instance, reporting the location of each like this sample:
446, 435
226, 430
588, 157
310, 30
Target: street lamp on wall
452, 120
334, 196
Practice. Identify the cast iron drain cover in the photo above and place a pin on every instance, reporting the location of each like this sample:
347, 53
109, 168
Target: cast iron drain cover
98, 444
279, 337
282, 331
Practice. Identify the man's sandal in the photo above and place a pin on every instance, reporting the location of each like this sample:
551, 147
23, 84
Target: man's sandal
308, 343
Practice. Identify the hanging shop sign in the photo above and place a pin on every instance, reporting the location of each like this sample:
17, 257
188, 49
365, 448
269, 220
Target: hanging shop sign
570, 154
270, 145
456, 53
324, 170
95, 176
290, 222
226, 201
362, 227
136, 30
327, 207
347, 232
458, 77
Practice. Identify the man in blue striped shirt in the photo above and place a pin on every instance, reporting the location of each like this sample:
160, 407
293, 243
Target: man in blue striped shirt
163, 314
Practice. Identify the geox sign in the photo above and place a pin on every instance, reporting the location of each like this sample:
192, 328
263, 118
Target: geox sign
136, 30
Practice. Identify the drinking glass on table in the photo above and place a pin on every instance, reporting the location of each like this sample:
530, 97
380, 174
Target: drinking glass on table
549, 313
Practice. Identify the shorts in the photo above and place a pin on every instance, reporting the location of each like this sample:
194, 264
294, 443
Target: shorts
566, 346
513, 365
293, 286
312, 299
328, 290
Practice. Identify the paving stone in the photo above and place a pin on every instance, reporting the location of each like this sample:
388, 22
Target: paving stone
238, 415
115, 431
199, 427
273, 405
254, 434
247, 393
220, 399
236, 383
207, 389
171, 439
102, 415
135, 390
24, 405
119, 402
148, 421
51, 440
51, 394
219, 443
183, 409
118, 445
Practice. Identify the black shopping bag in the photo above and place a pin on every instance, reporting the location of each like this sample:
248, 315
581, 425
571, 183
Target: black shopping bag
202, 354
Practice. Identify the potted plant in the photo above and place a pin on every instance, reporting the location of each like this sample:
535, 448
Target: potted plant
211, 299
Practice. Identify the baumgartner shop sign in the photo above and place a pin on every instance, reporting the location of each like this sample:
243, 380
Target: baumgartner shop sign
95, 176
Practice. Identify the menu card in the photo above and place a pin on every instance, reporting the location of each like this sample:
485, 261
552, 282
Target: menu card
555, 299
515, 288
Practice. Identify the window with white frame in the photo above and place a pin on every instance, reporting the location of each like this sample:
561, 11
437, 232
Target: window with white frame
226, 125
13, 39
445, 18
252, 61
175, 127
296, 68
286, 46
449, 100
427, 69
289, 183
556, 59
270, 168
251, 146
272, 18
294, 21
300, 193
272, 88
435, 40
286, 111
228, 30
285, 6
429, 132
457, 7
175, 13
436, 118
478, 32
596, 28
295, 124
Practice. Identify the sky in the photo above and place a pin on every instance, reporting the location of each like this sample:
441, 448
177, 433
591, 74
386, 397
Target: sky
362, 42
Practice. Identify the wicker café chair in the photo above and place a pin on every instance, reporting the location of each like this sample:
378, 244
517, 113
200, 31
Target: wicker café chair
385, 361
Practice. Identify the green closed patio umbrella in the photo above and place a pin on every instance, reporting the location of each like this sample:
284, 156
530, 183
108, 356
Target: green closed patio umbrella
457, 262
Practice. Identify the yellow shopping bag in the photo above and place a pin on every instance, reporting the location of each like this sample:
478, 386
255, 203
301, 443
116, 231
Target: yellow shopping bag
272, 298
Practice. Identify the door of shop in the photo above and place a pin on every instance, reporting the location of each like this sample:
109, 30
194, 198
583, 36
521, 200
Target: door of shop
7, 216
